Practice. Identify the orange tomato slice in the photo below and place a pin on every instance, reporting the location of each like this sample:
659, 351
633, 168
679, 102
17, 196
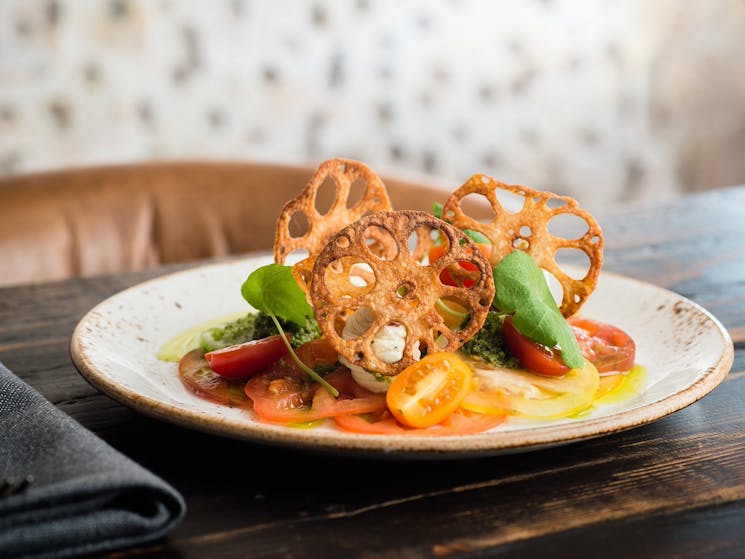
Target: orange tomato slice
460, 422
428, 391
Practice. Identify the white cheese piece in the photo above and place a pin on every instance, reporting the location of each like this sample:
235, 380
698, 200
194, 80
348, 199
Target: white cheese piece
388, 345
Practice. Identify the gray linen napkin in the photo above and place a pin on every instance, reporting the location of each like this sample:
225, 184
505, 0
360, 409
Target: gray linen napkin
85, 496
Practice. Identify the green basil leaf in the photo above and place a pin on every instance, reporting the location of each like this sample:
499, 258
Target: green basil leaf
476, 237
437, 210
521, 288
272, 289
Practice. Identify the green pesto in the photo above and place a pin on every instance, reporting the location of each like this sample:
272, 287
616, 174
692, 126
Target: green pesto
488, 343
255, 326
265, 328
231, 333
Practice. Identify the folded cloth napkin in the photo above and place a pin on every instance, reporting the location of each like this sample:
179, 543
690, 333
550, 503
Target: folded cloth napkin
65, 492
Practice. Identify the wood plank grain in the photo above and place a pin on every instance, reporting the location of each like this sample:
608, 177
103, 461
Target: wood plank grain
693, 459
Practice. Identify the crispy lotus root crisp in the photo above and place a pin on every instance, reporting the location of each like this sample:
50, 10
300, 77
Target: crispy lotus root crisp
528, 230
321, 227
403, 289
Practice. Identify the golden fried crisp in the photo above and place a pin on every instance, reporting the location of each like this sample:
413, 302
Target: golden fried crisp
320, 228
401, 289
527, 230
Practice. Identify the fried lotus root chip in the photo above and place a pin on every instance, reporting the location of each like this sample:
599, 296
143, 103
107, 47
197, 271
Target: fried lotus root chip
343, 172
405, 289
527, 230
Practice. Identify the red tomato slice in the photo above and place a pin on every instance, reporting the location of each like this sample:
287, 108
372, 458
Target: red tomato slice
243, 360
318, 353
283, 395
196, 374
460, 422
605, 346
532, 355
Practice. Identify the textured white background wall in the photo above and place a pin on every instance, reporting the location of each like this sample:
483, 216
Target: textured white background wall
602, 99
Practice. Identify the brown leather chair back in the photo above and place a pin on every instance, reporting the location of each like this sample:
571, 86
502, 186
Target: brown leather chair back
82, 222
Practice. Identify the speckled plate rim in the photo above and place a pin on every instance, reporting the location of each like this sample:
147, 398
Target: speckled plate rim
490, 443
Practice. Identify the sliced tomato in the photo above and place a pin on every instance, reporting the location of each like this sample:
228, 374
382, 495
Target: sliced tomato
607, 347
532, 355
196, 374
487, 400
243, 360
458, 277
609, 383
428, 391
284, 395
460, 422
526, 394
315, 354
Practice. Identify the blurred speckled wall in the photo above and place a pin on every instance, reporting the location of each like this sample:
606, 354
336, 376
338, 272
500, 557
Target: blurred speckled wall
606, 100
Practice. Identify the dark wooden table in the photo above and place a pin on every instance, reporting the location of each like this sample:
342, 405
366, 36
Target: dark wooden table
675, 488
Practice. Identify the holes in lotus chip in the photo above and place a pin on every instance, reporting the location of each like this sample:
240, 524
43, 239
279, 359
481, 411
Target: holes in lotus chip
454, 312
556, 203
299, 225
477, 207
441, 340
356, 192
380, 242
461, 274
347, 277
511, 202
521, 240
326, 195
567, 226
405, 290
426, 244
574, 262
354, 323
296, 256
389, 342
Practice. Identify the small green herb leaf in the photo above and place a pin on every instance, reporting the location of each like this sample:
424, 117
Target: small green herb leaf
476, 237
437, 210
273, 290
521, 288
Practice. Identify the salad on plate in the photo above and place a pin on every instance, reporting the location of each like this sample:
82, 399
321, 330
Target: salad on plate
383, 321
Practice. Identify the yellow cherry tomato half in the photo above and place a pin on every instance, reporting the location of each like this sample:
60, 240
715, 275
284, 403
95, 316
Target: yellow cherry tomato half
428, 391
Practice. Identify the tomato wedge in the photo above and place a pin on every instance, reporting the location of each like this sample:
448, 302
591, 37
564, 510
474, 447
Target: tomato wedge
196, 374
526, 394
243, 360
315, 354
457, 277
460, 422
284, 395
532, 355
607, 347
428, 391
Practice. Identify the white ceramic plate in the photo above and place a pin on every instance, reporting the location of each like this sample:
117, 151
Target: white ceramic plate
687, 353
